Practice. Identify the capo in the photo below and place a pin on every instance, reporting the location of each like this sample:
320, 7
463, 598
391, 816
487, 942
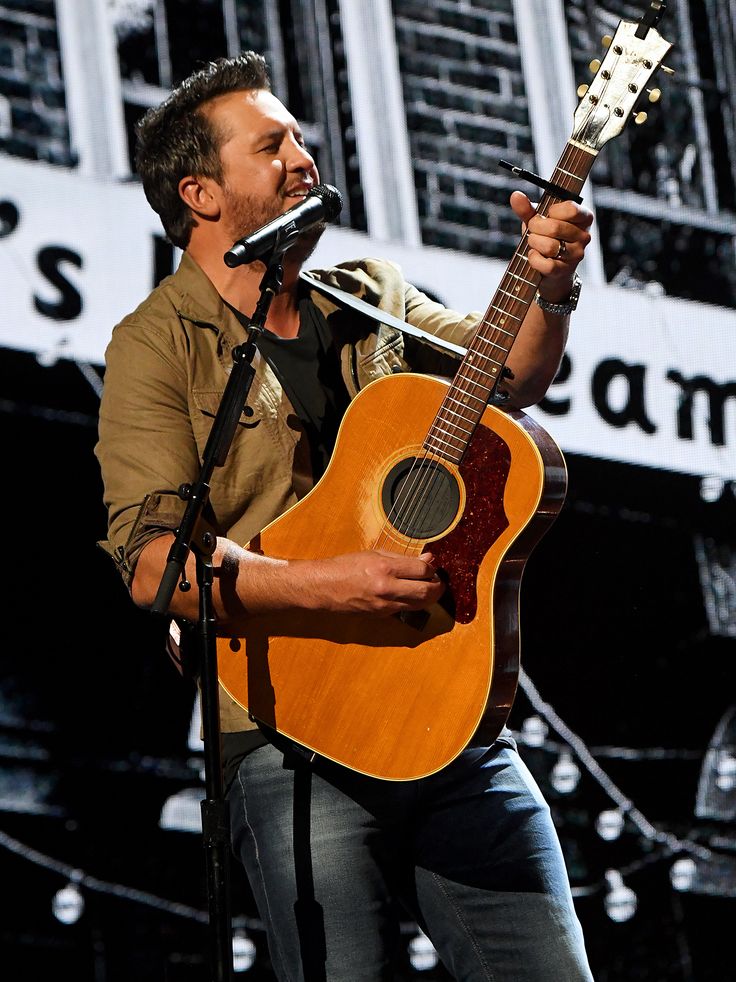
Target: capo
651, 18
554, 189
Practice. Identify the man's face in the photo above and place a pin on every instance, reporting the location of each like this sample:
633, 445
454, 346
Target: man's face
266, 167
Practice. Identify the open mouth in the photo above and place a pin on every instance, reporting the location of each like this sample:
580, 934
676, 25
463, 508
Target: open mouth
300, 192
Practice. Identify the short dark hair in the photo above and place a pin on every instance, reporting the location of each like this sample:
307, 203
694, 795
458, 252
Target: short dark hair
177, 138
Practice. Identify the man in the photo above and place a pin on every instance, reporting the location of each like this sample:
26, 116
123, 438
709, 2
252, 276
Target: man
470, 851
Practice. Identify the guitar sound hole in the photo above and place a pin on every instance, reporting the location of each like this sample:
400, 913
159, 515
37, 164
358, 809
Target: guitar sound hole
420, 498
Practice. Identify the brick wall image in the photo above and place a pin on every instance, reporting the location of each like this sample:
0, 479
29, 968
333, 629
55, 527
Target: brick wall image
33, 122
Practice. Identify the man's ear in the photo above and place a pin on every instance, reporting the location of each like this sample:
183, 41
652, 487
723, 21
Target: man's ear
197, 194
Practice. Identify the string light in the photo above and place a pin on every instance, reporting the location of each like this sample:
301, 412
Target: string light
620, 899
610, 824
68, 903
79, 878
565, 774
534, 731
244, 951
583, 754
682, 874
636, 754
711, 488
422, 954
726, 771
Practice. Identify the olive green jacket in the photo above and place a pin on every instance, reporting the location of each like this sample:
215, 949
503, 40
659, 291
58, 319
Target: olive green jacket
167, 364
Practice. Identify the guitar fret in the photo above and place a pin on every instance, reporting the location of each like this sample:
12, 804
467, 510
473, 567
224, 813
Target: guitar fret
459, 416
460, 403
488, 358
523, 279
495, 327
561, 170
494, 343
455, 457
446, 438
507, 313
473, 367
457, 426
514, 296
449, 438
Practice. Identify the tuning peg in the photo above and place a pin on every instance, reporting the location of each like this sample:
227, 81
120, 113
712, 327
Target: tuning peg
654, 95
594, 65
606, 40
582, 89
640, 118
667, 70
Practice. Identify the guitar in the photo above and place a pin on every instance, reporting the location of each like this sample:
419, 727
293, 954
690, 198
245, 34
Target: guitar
423, 463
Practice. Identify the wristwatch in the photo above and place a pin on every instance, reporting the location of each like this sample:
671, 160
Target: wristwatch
564, 306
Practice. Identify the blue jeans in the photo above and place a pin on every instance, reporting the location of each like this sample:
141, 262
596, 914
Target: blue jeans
470, 852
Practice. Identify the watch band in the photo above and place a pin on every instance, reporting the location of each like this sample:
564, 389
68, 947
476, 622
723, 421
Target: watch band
564, 306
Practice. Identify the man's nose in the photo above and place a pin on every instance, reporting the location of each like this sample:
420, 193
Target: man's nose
299, 158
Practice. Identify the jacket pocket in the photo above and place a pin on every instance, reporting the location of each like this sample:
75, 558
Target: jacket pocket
207, 402
379, 356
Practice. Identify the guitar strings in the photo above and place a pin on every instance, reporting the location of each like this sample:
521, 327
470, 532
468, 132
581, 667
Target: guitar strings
413, 501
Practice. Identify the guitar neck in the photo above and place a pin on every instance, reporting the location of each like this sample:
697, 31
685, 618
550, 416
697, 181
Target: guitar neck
482, 368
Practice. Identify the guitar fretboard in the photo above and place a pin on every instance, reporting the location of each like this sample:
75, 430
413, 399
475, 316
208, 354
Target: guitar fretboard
482, 368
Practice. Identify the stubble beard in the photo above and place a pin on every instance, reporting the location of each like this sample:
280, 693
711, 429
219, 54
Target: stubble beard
249, 213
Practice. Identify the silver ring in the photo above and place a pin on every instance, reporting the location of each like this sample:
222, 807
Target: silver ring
562, 250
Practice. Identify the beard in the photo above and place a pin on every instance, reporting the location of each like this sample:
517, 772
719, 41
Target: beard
247, 213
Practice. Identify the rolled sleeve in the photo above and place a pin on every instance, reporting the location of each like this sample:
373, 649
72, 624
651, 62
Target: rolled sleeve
146, 448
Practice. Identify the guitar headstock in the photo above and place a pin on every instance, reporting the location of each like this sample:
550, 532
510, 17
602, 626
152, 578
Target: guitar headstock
634, 54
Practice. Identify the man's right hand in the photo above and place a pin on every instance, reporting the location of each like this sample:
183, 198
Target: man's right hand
373, 581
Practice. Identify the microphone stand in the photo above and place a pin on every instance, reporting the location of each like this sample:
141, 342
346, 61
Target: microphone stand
215, 813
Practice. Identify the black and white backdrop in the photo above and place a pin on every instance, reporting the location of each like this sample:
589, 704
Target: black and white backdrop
626, 711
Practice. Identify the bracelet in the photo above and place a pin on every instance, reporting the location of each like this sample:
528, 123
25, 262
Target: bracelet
565, 306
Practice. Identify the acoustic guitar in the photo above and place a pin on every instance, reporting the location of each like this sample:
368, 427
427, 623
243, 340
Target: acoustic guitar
422, 463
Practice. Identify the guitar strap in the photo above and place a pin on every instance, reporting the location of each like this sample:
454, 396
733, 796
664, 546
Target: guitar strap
382, 317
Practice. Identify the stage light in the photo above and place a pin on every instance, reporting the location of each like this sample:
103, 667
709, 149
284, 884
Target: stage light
68, 904
534, 731
422, 954
620, 899
610, 824
244, 951
565, 774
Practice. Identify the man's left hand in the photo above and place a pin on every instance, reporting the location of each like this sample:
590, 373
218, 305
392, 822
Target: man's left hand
557, 242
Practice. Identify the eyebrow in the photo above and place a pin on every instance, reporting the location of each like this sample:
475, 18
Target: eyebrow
279, 132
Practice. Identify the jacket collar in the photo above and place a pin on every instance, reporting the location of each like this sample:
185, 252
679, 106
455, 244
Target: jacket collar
198, 299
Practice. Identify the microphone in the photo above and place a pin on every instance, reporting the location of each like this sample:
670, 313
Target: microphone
322, 203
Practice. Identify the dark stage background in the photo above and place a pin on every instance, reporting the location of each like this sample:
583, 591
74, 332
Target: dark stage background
626, 709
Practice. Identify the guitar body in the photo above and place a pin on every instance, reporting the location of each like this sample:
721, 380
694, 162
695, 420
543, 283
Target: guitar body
400, 697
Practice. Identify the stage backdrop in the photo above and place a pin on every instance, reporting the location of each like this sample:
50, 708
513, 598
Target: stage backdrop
647, 379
